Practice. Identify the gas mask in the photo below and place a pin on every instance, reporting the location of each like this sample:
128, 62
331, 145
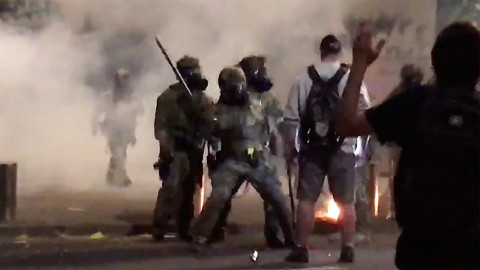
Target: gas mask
194, 79
233, 93
260, 81
413, 81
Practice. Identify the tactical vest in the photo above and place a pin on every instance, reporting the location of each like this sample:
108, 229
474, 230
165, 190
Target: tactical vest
316, 125
238, 129
437, 184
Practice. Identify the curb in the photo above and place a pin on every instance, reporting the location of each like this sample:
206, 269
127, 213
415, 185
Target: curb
127, 230
56, 230
12, 231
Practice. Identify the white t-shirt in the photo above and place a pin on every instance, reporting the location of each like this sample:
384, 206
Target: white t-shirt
298, 98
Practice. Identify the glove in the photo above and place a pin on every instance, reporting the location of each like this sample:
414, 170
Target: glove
163, 167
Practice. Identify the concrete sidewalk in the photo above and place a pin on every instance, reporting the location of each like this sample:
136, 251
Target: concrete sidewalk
54, 210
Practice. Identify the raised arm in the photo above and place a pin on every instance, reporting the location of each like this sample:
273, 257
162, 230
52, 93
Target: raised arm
350, 122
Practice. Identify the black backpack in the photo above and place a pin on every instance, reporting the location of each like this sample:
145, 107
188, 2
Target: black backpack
316, 125
437, 184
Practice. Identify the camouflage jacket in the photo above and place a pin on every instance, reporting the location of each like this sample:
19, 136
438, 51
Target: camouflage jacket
113, 117
172, 121
240, 128
267, 106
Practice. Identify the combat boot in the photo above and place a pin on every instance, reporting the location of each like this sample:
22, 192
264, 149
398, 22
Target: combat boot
298, 255
217, 236
347, 255
198, 244
158, 236
127, 182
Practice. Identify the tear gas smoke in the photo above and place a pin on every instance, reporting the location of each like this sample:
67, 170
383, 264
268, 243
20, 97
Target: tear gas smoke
51, 78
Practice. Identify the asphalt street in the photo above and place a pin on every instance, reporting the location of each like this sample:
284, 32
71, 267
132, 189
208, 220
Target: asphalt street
139, 252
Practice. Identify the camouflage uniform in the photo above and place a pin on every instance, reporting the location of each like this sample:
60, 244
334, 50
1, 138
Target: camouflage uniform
180, 142
264, 105
366, 147
244, 157
120, 109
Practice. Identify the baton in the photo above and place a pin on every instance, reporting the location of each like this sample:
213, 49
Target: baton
290, 192
175, 70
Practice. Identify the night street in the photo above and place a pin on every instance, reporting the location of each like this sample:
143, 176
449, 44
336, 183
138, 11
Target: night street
139, 252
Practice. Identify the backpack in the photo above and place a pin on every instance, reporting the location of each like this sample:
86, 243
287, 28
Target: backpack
437, 185
316, 125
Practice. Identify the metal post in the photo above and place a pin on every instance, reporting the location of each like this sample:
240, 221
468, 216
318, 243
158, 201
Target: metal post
3, 193
8, 191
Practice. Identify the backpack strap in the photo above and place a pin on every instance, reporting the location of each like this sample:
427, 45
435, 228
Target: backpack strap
313, 74
336, 78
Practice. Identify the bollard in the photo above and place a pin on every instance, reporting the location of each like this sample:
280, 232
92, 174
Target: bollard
8, 191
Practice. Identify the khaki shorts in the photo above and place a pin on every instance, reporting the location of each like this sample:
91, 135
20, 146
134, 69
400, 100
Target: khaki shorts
340, 169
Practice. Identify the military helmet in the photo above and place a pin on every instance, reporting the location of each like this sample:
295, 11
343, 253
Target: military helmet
252, 63
411, 71
233, 86
188, 62
254, 68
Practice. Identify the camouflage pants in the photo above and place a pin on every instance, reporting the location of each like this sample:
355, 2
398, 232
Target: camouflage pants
117, 172
224, 181
272, 230
363, 195
176, 196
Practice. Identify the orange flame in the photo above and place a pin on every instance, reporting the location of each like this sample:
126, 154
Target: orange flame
376, 198
202, 193
201, 196
332, 212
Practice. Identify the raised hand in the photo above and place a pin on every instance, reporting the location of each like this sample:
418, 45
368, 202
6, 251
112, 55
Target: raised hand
363, 50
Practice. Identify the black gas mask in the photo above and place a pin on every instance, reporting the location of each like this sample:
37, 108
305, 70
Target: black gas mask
259, 80
233, 93
413, 81
194, 79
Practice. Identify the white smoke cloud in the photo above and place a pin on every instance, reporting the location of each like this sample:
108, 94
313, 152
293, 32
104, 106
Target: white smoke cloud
49, 77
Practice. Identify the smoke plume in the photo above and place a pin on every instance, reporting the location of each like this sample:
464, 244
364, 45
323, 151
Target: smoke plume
52, 77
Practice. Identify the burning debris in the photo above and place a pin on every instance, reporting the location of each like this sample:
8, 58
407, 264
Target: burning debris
331, 213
